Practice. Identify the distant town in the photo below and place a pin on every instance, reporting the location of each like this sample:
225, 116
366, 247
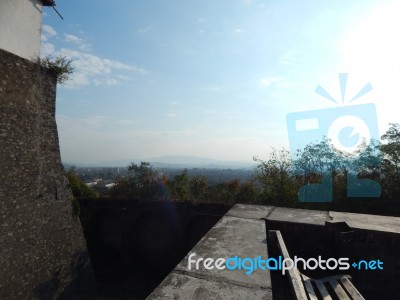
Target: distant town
103, 178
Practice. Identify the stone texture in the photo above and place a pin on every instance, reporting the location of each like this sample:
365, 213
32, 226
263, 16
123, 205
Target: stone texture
42, 246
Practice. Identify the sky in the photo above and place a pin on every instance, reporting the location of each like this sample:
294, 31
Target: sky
210, 78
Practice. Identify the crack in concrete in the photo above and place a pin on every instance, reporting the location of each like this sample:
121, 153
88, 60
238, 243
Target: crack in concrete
213, 278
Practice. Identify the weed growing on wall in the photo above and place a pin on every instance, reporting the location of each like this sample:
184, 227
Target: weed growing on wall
59, 65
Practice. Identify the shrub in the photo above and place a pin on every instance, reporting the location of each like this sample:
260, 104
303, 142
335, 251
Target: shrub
60, 65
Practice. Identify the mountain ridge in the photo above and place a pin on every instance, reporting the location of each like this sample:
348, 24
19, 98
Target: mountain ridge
174, 161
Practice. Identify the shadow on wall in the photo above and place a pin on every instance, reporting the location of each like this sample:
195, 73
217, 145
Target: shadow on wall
134, 245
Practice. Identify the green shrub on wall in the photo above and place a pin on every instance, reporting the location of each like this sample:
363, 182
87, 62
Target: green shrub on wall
59, 65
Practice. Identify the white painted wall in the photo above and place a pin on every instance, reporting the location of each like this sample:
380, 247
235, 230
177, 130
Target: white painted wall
20, 27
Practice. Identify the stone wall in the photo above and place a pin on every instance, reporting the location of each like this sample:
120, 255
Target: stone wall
42, 249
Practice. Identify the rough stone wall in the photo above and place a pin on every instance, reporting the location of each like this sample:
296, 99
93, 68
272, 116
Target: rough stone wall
42, 249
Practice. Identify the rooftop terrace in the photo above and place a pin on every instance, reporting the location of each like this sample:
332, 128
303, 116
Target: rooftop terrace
242, 232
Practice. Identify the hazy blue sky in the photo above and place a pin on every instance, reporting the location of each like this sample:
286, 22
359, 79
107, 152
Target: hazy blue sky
213, 78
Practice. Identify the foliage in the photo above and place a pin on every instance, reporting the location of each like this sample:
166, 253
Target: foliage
248, 193
391, 161
369, 160
318, 158
279, 185
59, 65
79, 189
179, 187
225, 192
142, 182
391, 150
198, 188
280, 178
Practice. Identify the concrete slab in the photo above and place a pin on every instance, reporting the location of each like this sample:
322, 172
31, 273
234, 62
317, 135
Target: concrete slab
316, 217
230, 237
368, 222
295, 215
249, 211
181, 286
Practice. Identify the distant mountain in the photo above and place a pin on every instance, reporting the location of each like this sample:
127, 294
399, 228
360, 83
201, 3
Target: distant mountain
196, 161
177, 162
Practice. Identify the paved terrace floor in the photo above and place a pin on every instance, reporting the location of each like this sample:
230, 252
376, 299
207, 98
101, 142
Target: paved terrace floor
241, 232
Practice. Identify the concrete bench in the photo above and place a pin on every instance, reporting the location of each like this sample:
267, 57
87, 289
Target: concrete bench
305, 288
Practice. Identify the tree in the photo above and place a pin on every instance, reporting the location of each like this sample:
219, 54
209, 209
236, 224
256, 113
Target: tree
198, 188
225, 192
247, 194
315, 167
318, 158
276, 178
142, 182
368, 159
178, 187
329, 173
391, 161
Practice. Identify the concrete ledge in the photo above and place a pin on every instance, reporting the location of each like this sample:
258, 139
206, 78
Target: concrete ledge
368, 222
249, 211
180, 286
295, 215
316, 217
231, 236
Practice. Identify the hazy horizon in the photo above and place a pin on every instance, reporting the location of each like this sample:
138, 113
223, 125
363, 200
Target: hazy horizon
169, 161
